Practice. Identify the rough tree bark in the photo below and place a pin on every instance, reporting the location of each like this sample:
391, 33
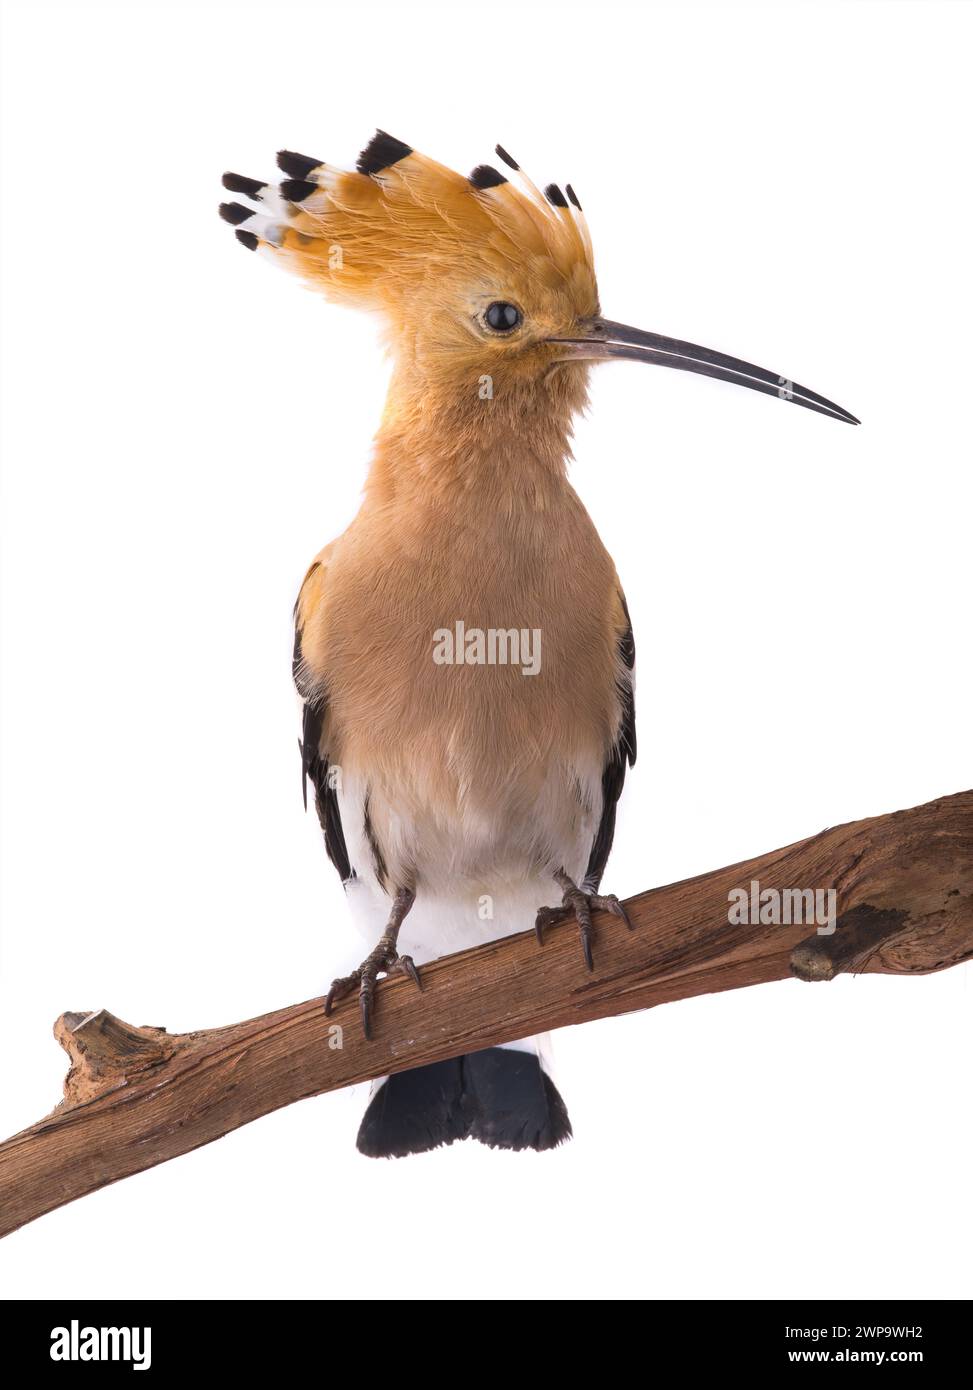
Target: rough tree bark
135, 1097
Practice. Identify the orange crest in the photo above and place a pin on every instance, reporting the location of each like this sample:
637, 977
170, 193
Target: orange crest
428, 248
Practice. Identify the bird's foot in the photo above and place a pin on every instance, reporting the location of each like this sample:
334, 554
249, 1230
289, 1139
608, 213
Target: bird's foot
383, 960
581, 904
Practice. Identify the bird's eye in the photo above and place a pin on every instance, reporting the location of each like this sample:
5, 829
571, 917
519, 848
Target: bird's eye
502, 317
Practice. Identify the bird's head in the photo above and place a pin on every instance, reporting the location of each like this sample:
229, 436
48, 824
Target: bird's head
484, 284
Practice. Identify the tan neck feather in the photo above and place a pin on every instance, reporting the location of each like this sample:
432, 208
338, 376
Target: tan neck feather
452, 441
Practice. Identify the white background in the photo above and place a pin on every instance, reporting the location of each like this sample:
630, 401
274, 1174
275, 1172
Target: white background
185, 427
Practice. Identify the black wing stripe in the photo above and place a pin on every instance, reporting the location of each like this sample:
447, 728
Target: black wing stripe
621, 757
315, 767
626, 650
378, 858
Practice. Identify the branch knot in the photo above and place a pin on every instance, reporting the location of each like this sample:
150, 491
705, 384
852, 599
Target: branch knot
105, 1051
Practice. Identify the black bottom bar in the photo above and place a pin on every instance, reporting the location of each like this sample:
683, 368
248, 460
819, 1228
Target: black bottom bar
171, 1339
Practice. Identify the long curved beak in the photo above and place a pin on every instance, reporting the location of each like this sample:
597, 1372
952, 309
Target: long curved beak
601, 339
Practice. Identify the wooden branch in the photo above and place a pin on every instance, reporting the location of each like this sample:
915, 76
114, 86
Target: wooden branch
135, 1097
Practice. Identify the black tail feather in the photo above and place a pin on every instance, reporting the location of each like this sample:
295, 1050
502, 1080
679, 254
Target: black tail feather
500, 1096
414, 1111
512, 1102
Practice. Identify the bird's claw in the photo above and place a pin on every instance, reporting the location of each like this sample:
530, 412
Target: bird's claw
613, 904
545, 916
405, 965
383, 960
580, 903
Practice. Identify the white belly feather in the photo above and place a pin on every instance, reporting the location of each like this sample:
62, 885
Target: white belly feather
480, 871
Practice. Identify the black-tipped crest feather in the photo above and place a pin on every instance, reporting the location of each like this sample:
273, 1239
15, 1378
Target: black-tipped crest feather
238, 183
235, 213
381, 151
298, 166
485, 176
296, 190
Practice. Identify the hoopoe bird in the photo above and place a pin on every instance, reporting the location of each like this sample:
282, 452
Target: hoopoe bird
464, 651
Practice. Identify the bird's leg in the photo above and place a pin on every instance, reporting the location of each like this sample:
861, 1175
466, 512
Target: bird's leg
580, 901
384, 959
